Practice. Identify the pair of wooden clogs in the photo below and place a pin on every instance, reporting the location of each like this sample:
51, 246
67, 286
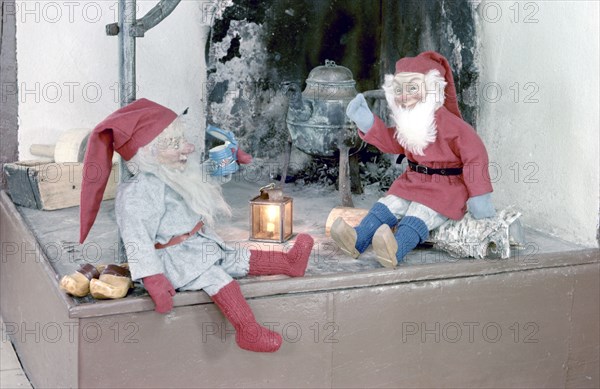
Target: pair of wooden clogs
103, 281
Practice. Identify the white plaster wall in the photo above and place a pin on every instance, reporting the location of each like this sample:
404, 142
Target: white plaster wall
68, 67
545, 154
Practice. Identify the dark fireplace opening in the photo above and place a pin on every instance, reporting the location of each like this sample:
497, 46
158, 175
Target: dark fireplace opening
259, 45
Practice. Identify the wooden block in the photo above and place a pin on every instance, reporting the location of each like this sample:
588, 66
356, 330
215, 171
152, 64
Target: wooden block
352, 216
50, 185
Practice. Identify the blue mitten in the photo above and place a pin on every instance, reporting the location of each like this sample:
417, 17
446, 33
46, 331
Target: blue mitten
481, 206
358, 111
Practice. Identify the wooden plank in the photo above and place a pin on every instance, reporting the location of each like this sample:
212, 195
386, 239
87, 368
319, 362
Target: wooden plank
359, 314
260, 287
33, 308
194, 347
505, 330
583, 363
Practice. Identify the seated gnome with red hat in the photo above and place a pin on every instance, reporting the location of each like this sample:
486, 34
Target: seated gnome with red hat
165, 213
447, 162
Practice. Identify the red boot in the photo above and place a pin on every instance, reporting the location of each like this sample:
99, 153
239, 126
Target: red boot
293, 263
249, 335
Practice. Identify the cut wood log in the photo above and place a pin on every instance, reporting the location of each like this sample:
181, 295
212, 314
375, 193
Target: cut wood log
70, 146
352, 216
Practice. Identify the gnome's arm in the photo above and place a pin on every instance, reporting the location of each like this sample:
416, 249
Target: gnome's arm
475, 174
382, 137
138, 210
475, 162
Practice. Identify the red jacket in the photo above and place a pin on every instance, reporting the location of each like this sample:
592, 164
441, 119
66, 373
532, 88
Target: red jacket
456, 145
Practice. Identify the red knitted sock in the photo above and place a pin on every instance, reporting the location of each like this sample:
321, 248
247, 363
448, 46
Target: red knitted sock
249, 335
293, 263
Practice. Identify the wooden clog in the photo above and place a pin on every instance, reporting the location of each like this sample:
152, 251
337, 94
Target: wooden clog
385, 246
114, 282
78, 283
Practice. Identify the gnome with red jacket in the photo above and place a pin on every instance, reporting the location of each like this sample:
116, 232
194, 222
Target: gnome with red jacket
447, 162
166, 212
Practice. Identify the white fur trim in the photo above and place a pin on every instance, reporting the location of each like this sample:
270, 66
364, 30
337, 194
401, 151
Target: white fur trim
435, 85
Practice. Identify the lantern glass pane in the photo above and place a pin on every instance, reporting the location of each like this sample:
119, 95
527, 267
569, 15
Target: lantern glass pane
266, 221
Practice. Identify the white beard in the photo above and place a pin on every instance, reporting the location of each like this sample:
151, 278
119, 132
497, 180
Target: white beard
199, 190
415, 127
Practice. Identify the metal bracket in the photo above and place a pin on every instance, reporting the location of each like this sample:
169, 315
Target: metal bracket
156, 15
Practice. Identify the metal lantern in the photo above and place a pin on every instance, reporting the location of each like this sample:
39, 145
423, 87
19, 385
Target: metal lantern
271, 216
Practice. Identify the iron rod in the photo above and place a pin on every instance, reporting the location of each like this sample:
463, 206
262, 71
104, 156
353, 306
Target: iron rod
127, 85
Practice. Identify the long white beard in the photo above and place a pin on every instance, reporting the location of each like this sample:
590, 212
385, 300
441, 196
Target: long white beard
200, 192
415, 127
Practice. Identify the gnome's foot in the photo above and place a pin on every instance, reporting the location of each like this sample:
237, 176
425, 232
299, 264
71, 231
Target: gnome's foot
345, 236
257, 338
293, 263
298, 255
249, 335
385, 246
391, 248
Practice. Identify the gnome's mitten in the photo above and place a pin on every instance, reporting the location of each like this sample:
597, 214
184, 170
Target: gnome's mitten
358, 111
293, 263
243, 157
354, 241
249, 335
391, 248
481, 206
161, 291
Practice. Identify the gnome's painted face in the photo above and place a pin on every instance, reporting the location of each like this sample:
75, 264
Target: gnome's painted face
172, 151
409, 89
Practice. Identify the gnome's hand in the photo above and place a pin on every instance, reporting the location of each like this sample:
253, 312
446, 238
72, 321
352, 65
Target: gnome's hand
243, 157
358, 111
481, 206
161, 291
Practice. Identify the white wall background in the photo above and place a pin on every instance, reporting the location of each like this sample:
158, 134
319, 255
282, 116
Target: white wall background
68, 67
543, 142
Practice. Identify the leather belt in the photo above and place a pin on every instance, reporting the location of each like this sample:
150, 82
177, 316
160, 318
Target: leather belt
180, 238
451, 171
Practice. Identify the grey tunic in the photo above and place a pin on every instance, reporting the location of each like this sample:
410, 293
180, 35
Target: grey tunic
148, 211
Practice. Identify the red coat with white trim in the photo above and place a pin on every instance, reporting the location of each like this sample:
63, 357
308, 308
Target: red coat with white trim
456, 145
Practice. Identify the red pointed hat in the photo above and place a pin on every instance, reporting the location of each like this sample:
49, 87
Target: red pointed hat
427, 61
124, 131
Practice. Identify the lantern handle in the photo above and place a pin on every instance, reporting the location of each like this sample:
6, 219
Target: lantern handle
266, 187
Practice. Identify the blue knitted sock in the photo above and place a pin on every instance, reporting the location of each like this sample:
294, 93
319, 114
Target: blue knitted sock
377, 216
411, 231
